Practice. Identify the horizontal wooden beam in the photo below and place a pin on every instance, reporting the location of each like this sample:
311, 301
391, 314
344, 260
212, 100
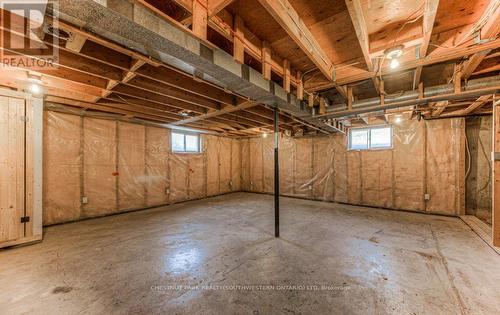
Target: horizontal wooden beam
215, 6
226, 110
480, 102
430, 11
434, 58
283, 12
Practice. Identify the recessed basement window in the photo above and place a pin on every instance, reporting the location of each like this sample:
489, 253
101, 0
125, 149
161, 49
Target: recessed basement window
370, 138
185, 142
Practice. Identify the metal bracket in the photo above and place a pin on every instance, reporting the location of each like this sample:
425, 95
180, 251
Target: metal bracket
25, 219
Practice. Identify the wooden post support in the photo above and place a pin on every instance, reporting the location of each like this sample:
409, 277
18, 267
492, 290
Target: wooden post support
310, 100
420, 90
457, 78
322, 106
349, 98
238, 42
286, 75
382, 93
496, 173
300, 86
200, 18
266, 60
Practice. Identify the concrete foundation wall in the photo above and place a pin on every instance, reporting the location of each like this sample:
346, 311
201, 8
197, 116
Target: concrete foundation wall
427, 157
478, 181
94, 167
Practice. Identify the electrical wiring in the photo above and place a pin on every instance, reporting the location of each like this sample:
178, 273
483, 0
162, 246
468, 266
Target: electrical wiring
468, 157
489, 164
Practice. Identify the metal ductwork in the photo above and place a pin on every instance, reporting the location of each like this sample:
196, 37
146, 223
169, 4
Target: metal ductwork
473, 88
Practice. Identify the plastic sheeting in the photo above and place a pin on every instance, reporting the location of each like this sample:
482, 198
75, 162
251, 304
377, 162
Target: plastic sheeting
99, 156
235, 165
157, 154
427, 157
62, 167
212, 147
445, 166
245, 165
224, 165
120, 166
255, 164
131, 166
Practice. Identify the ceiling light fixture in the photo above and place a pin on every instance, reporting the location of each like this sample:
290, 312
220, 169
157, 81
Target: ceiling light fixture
185, 113
398, 119
393, 54
35, 89
35, 84
394, 63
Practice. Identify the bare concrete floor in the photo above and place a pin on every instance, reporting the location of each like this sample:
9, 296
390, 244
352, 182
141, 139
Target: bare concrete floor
341, 259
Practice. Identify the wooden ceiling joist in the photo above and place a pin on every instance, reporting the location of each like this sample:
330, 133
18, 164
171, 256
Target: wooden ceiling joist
477, 104
438, 108
131, 91
445, 55
359, 23
215, 6
430, 11
114, 78
488, 31
286, 16
227, 109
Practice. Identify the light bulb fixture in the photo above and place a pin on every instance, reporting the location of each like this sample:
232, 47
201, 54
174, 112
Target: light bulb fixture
394, 63
35, 84
35, 89
393, 54
264, 135
398, 119
185, 113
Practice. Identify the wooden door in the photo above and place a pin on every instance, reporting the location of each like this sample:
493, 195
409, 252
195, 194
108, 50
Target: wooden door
12, 168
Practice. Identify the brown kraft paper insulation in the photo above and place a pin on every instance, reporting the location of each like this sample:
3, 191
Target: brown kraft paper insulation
445, 165
286, 162
120, 166
131, 166
268, 163
179, 177
224, 165
212, 147
256, 166
427, 157
157, 155
99, 166
339, 168
376, 178
235, 165
61, 167
245, 165
303, 168
197, 176
323, 157
354, 177
409, 165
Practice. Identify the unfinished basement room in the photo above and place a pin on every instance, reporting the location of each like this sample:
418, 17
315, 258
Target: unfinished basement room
250, 157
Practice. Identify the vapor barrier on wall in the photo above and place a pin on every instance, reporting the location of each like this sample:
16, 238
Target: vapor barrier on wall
95, 167
427, 158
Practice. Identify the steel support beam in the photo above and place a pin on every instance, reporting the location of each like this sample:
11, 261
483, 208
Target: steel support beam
276, 175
